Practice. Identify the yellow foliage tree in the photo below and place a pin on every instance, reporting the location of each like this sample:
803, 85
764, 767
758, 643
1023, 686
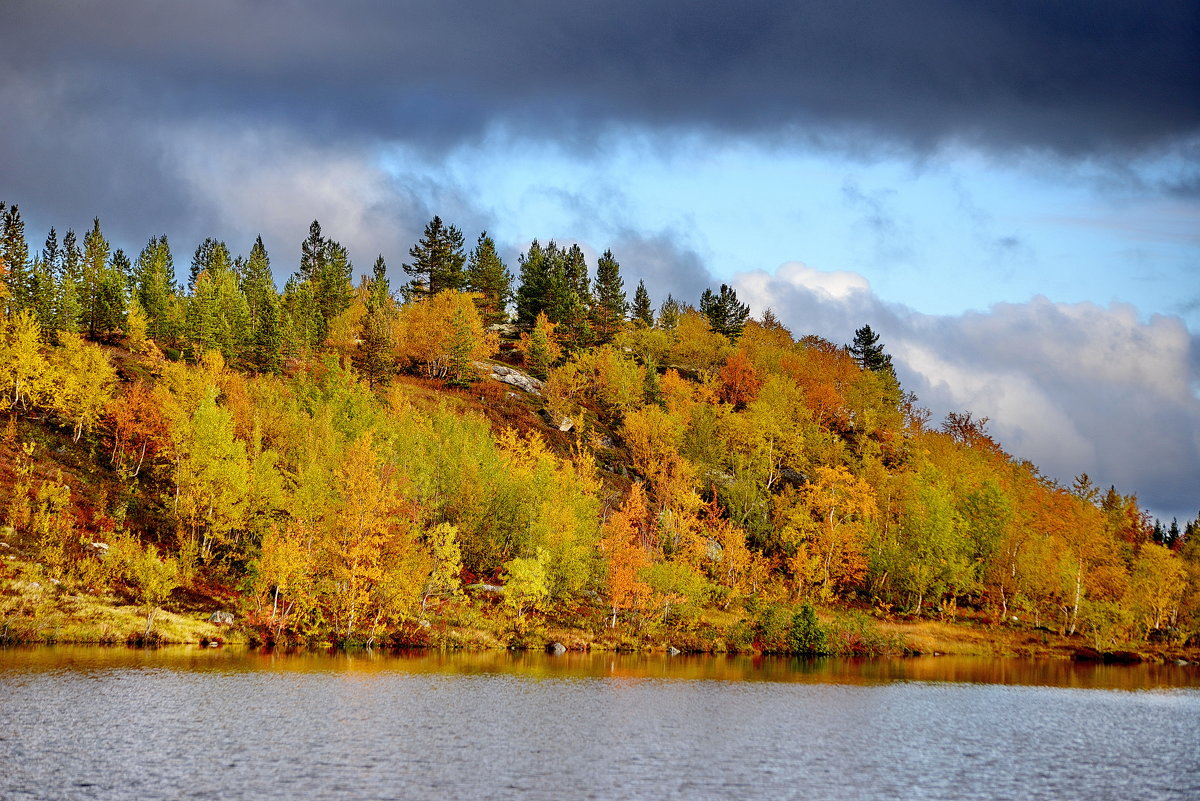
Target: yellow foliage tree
85, 383
443, 335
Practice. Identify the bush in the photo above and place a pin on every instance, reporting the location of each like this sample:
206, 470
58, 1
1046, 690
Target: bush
806, 635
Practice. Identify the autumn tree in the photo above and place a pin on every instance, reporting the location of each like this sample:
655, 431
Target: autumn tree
85, 380
442, 335
623, 546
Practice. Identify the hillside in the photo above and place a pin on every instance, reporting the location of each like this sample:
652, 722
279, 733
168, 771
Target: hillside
338, 464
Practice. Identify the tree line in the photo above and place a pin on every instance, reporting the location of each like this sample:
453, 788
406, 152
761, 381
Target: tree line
717, 465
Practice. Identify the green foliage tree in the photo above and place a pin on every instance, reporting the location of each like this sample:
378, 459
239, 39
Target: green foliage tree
867, 351
610, 305
642, 311
437, 261
725, 314
488, 277
154, 276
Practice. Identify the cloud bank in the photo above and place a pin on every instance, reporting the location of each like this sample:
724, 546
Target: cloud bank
1074, 388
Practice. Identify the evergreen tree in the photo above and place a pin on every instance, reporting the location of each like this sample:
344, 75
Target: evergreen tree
154, 279
610, 306
324, 283
490, 278
379, 289
725, 314
437, 261
68, 303
867, 351
535, 280
266, 348
643, 312
669, 313
94, 266
212, 256
258, 285
14, 251
375, 357
111, 299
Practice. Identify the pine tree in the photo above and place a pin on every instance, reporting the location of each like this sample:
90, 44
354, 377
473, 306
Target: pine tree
111, 298
490, 278
725, 314
324, 279
375, 356
257, 283
211, 256
14, 251
379, 289
154, 277
535, 278
610, 306
95, 264
643, 312
68, 303
867, 351
266, 349
437, 261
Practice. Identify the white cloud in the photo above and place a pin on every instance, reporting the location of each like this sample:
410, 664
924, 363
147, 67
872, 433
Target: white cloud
1074, 387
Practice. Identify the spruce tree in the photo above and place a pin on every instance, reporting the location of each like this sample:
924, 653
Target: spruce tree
725, 314
643, 312
610, 306
437, 261
154, 277
14, 251
535, 278
379, 289
257, 283
488, 276
324, 283
266, 349
94, 266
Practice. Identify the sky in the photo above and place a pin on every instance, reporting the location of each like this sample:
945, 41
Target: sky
1008, 192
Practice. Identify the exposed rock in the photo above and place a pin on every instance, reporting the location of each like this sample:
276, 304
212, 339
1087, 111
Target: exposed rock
561, 423
100, 548
505, 330
512, 376
673, 651
492, 589
221, 618
556, 648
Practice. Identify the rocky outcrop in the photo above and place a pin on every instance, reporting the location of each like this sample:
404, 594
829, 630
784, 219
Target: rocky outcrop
511, 376
221, 618
556, 648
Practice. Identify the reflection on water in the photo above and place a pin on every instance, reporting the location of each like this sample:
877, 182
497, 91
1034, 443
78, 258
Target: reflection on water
226, 724
979, 670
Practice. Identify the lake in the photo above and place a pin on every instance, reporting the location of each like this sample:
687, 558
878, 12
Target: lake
193, 723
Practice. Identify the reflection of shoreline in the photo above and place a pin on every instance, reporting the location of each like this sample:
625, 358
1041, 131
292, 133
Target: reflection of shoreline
607, 665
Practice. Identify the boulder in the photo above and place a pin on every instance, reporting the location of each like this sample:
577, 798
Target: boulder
556, 648
511, 376
221, 618
673, 651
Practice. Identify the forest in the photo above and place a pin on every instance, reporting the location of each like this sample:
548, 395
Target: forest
490, 455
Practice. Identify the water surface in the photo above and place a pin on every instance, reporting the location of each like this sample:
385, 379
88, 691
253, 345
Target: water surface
209, 724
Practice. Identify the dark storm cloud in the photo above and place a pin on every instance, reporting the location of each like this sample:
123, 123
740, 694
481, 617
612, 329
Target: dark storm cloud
1070, 76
